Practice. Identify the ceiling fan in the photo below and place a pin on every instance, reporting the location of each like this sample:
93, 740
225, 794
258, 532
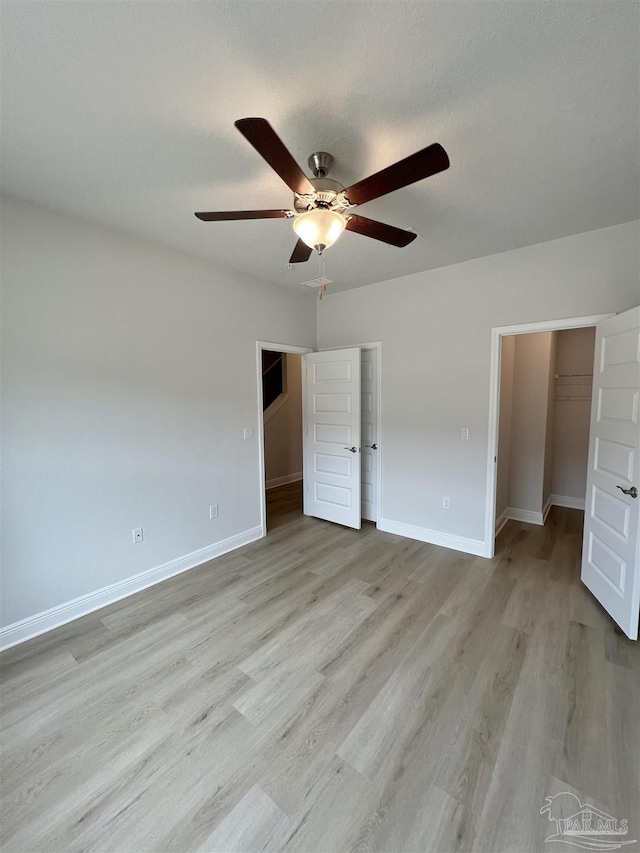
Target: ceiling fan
321, 206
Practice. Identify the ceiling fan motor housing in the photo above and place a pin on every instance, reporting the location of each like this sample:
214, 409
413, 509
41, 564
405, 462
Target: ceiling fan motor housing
320, 162
326, 191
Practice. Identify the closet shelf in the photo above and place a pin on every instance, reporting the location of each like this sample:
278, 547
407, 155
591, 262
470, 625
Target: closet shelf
573, 386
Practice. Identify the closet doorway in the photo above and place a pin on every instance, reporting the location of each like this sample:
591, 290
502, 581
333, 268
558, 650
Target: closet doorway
543, 429
531, 488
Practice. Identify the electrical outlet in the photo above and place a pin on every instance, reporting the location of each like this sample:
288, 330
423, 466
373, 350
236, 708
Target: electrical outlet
446, 503
213, 511
464, 434
137, 535
248, 433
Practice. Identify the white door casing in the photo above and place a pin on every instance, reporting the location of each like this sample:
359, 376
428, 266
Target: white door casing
369, 419
611, 544
331, 456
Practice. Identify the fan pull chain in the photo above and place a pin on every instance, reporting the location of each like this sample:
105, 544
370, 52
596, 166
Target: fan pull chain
323, 278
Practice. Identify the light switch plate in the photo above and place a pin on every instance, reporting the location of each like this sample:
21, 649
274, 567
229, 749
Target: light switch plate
248, 433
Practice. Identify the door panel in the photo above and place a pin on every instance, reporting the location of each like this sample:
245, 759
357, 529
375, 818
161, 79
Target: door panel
369, 399
613, 458
611, 546
331, 427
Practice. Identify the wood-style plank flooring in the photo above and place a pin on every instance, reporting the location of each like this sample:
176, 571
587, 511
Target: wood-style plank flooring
325, 690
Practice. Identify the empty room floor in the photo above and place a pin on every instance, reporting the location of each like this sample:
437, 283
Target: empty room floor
326, 689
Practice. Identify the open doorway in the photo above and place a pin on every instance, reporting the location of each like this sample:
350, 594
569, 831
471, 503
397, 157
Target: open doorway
543, 429
280, 431
282, 422
497, 402
610, 559
283, 491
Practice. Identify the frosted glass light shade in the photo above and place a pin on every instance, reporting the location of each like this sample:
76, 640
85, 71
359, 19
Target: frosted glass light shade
319, 227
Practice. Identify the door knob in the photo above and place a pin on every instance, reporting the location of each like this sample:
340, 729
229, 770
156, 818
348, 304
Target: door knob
632, 491
372, 446
352, 449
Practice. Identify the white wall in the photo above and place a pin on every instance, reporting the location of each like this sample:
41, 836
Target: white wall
571, 421
504, 424
529, 462
435, 329
283, 431
129, 374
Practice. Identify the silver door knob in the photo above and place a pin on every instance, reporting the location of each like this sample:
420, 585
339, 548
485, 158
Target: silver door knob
632, 491
372, 446
352, 449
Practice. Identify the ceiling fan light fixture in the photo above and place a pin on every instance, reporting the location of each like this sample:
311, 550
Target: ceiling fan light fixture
319, 227
321, 206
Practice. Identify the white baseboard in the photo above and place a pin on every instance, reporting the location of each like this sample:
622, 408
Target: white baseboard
434, 537
33, 626
501, 520
283, 481
531, 517
565, 500
527, 515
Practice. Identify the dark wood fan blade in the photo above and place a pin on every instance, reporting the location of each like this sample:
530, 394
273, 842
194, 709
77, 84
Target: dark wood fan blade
301, 253
223, 215
379, 231
422, 164
268, 144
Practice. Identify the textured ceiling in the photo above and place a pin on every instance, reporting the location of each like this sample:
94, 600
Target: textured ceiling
123, 113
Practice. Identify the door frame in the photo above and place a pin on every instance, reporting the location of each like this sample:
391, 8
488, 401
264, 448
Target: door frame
497, 333
273, 347
374, 345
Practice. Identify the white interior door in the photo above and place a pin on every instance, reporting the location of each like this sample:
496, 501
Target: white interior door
611, 545
369, 415
332, 436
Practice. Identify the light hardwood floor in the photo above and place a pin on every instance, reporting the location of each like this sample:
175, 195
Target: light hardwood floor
324, 690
